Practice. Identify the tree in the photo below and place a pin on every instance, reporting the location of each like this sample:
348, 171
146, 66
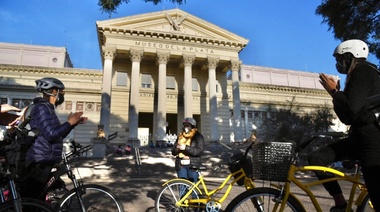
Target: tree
110, 6
292, 123
350, 19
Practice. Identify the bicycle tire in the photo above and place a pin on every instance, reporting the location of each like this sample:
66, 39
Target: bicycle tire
95, 198
28, 204
261, 199
171, 192
366, 205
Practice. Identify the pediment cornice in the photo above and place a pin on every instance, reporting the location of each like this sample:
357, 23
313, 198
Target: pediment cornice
173, 25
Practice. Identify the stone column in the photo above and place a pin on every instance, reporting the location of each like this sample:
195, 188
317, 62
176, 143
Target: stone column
109, 55
188, 97
133, 114
235, 67
212, 64
162, 60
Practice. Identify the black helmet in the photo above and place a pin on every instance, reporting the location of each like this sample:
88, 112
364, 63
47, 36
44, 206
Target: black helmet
48, 83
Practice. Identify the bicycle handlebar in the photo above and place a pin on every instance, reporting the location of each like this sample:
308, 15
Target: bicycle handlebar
304, 144
77, 149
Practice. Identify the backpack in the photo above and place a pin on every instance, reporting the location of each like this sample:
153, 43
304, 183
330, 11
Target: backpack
24, 138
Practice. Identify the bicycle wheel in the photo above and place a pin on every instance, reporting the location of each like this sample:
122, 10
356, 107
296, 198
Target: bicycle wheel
366, 205
28, 204
94, 197
262, 199
172, 192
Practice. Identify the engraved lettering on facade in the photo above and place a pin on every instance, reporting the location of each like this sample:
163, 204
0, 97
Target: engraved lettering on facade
174, 47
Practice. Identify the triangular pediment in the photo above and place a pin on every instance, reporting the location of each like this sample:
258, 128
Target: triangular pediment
174, 22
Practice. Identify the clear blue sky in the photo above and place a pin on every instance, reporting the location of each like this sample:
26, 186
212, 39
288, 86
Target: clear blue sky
282, 34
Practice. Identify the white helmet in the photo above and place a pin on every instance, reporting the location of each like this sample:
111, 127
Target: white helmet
357, 48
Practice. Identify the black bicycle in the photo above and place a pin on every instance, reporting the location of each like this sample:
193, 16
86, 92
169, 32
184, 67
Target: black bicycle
9, 198
83, 197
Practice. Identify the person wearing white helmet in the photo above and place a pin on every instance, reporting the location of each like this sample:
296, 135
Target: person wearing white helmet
352, 108
188, 150
46, 150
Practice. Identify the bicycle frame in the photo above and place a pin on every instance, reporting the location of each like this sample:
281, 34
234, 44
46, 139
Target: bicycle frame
184, 202
66, 169
339, 176
11, 194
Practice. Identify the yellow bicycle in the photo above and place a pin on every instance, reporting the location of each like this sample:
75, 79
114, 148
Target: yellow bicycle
277, 161
182, 195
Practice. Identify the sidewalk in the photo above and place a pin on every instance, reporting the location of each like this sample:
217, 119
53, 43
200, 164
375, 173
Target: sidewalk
154, 162
138, 190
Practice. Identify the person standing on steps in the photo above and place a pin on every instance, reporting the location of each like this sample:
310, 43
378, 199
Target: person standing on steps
188, 150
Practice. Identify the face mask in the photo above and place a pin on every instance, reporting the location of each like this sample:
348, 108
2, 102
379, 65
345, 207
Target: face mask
60, 99
187, 129
341, 68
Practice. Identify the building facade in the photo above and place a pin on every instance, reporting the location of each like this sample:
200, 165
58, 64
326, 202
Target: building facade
159, 68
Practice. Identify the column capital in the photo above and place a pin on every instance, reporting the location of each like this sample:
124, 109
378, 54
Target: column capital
109, 53
235, 65
212, 62
188, 59
163, 57
136, 55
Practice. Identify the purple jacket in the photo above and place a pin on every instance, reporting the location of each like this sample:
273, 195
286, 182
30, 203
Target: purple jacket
48, 145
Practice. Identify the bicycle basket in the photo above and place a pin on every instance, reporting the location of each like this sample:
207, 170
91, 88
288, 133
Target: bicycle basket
237, 161
271, 160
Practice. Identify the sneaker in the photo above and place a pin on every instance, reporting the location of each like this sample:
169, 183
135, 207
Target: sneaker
340, 208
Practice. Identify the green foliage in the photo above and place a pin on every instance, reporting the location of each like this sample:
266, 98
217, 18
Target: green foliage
350, 19
110, 6
292, 123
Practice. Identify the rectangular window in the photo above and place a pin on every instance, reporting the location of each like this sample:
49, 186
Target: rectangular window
69, 105
146, 81
79, 106
264, 115
16, 103
194, 85
170, 82
250, 114
242, 114
98, 106
121, 78
257, 115
4, 100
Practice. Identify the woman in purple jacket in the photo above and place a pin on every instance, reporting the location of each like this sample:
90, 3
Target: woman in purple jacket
46, 150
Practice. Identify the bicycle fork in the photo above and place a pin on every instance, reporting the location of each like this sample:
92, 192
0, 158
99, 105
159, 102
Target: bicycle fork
79, 190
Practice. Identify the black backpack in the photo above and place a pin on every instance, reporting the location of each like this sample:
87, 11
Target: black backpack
24, 137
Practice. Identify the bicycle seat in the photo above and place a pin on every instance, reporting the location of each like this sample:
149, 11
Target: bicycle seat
198, 167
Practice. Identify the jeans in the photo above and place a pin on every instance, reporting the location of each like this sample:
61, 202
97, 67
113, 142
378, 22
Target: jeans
186, 173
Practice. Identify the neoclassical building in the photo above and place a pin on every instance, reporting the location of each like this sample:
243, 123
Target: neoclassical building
159, 68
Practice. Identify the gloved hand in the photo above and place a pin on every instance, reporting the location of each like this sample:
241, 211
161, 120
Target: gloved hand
181, 146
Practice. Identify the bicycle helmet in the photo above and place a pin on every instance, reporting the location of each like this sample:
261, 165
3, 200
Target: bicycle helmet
190, 121
48, 83
357, 48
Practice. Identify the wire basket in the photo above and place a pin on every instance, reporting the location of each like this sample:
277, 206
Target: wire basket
238, 161
271, 160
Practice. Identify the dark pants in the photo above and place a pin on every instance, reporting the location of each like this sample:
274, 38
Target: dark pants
363, 144
34, 183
